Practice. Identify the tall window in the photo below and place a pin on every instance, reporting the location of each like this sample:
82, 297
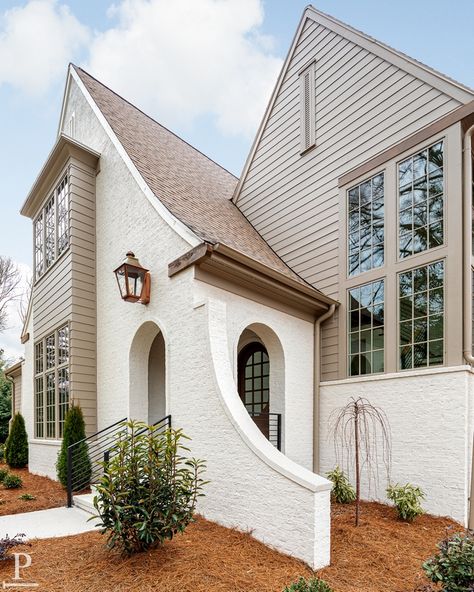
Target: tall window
254, 377
51, 229
366, 225
421, 319
51, 383
307, 108
366, 329
421, 201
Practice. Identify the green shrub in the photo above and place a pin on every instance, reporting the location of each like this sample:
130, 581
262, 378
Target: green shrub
26, 497
148, 491
453, 567
74, 431
312, 585
3, 474
2, 452
12, 481
407, 500
16, 446
342, 490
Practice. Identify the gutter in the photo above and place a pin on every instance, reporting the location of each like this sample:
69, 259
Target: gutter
316, 383
467, 279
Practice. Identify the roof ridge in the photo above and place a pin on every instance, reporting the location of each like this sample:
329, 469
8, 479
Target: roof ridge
154, 120
404, 55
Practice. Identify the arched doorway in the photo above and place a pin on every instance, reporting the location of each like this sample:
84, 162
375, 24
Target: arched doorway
157, 380
254, 383
147, 394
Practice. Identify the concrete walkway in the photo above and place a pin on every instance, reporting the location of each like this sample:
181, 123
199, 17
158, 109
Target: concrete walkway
44, 524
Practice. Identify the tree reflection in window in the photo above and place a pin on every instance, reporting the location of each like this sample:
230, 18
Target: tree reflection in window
366, 329
421, 201
366, 225
421, 318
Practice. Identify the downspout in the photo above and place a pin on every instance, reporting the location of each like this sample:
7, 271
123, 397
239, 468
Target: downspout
317, 379
467, 278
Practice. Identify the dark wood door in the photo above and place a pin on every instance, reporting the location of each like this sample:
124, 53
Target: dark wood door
254, 383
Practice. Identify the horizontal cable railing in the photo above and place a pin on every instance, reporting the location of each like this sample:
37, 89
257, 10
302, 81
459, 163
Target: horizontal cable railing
270, 425
85, 458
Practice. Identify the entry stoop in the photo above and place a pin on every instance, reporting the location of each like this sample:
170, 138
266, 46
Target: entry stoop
85, 502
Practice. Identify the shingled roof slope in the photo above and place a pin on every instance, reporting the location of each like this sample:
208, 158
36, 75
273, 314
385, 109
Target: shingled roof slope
194, 188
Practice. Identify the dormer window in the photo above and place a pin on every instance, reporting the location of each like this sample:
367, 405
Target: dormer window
307, 108
51, 229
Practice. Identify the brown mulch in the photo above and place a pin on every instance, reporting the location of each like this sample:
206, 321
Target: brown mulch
382, 555
48, 493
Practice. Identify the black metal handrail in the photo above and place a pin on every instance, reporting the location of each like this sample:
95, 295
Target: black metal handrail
86, 468
270, 425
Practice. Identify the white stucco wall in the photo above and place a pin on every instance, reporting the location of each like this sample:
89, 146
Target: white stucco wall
253, 486
431, 414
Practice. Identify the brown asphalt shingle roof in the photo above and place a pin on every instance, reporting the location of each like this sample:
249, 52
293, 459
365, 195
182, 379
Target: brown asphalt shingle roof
191, 186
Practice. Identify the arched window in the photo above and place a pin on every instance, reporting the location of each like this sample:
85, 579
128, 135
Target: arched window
254, 378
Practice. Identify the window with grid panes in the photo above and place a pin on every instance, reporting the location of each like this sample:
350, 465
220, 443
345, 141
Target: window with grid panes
421, 316
51, 383
366, 341
421, 201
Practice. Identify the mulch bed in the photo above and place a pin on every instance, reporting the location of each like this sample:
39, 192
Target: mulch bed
48, 493
382, 555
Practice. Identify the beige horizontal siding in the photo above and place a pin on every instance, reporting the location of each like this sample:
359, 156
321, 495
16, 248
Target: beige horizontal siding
67, 293
363, 106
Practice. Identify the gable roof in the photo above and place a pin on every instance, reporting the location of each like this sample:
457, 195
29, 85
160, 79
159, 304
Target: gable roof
192, 187
458, 91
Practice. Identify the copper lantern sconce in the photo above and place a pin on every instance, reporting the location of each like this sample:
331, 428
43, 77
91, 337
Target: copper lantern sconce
133, 280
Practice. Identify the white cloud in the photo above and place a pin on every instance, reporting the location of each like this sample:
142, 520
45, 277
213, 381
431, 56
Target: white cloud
184, 59
36, 43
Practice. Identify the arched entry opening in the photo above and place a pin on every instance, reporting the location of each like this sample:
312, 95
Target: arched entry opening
147, 394
261, 379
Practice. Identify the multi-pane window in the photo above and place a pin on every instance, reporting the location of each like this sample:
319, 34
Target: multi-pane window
51, 383
421, 201
421, 318
51, 229
366, 329
254, 378
366, 225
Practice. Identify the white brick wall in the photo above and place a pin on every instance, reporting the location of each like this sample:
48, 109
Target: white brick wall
253, 486
431, 418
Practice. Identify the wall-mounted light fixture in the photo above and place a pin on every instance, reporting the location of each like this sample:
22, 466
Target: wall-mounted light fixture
133, 280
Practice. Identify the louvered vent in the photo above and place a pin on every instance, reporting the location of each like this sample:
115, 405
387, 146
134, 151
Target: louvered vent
307, 108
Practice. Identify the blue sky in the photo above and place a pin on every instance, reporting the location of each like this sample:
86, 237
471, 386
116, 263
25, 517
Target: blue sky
39, 37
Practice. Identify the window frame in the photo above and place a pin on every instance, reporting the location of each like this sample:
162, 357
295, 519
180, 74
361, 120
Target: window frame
53, 195
349, 276
426, 146
349, 333
428, 366
60, 407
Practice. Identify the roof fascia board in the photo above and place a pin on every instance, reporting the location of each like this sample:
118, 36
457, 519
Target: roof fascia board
64, 148
269, 108
220, 256
64, 102
179, 227
437, 80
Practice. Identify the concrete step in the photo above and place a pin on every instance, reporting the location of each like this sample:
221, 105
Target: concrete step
85, 502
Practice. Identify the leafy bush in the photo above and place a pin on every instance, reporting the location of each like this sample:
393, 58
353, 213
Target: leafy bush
26, 497
148, 491
407, 500
3, 474
7, 543
2, 452
12, 481
74, 431
342, 490
312, 585
16, 447
453, 566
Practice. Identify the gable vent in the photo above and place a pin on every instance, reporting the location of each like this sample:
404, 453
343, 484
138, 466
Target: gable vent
307, 108
71, 126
